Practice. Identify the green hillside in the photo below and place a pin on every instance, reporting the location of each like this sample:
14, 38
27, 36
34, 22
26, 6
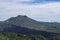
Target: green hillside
27, 22
15, 36
12, 28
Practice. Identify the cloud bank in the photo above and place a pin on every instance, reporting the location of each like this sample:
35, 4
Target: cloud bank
48, 12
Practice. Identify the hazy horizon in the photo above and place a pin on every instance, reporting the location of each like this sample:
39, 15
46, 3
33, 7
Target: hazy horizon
40, 10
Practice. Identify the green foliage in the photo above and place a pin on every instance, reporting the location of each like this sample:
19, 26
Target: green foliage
15, 36
40, 37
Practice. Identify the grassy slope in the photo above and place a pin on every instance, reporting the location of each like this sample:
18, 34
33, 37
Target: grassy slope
32, 24
15, 36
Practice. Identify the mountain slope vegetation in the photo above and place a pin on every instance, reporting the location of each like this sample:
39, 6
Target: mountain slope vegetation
25, 28
27, 22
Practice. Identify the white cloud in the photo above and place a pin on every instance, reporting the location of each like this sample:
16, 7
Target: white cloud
40, 12
23, 0
16, 1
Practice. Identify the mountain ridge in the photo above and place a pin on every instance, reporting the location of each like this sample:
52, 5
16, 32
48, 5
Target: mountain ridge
24, 25
27, 22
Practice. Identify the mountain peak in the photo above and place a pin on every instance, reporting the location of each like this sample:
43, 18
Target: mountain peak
17, 18
22, 16
24, 21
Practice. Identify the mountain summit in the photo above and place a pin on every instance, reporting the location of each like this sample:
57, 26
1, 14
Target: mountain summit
23, 21
27, 22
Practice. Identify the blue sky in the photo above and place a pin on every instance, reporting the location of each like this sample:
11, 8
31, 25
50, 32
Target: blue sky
40, 10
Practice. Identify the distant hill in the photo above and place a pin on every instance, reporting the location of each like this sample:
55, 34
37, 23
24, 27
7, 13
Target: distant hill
27, 22
10, 28
27, 26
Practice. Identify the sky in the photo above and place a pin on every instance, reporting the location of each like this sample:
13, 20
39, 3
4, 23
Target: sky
40, 10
